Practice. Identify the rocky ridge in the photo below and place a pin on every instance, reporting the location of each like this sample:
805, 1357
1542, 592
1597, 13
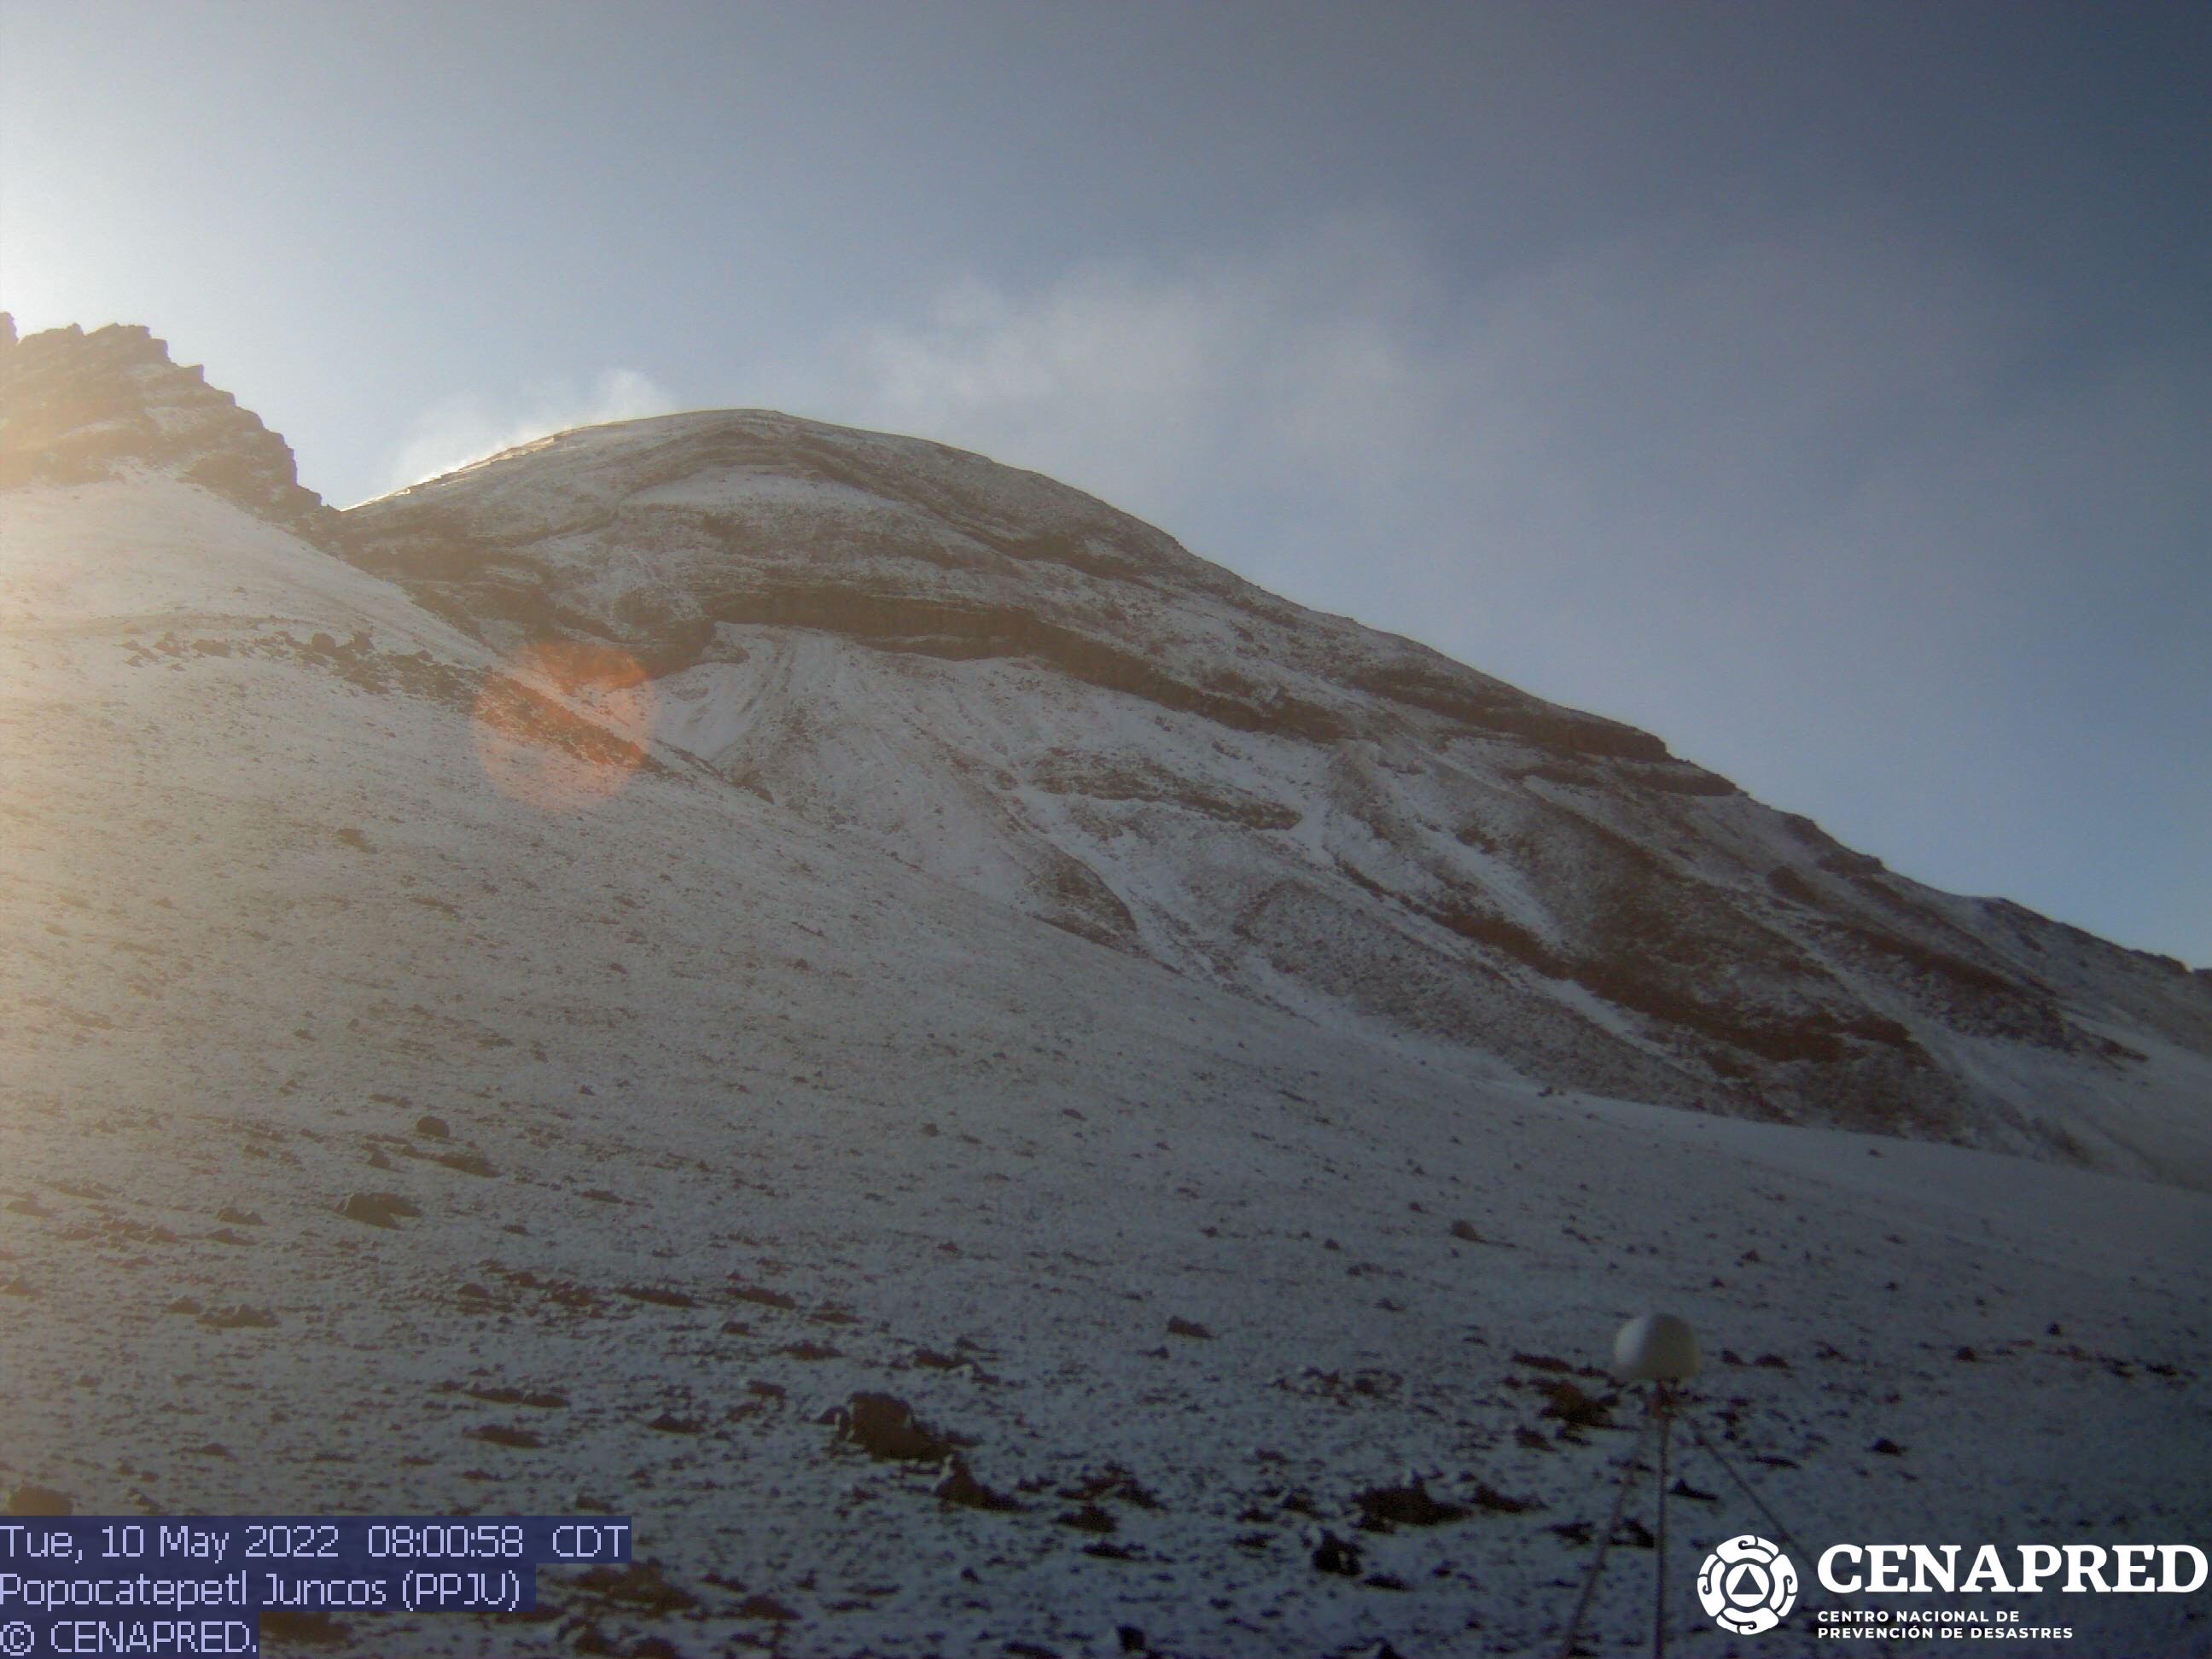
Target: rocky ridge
77, 407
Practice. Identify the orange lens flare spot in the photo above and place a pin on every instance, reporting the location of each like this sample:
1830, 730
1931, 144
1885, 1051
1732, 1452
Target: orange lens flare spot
563, 724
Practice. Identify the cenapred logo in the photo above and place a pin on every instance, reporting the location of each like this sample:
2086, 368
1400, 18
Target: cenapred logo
1747, 1585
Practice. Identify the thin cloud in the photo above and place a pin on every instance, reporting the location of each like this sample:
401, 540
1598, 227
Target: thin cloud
1347, 359
1143, 382
464, 429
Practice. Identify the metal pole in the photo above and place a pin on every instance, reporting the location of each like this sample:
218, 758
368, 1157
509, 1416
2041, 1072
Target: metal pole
1661, 1408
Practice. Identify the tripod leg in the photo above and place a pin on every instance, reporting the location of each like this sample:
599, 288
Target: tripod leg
1743, 1486
1661, 1409
1605, 1543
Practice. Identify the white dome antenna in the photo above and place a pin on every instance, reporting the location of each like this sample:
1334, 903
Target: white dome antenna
1656, 1347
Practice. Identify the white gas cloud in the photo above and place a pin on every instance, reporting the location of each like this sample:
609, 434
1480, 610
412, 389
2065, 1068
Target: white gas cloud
466, 429
1345, 395
1157, 387
1632, 416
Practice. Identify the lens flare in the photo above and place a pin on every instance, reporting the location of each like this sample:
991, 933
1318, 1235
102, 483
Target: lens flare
563, 724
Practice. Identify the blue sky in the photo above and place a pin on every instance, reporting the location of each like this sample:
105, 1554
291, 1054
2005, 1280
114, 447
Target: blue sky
1825, 388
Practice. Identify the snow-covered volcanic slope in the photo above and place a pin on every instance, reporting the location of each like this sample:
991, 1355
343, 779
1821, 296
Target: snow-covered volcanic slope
1000, 680
737, 1118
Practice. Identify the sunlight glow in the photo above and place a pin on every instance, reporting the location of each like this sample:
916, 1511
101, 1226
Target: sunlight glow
561, 725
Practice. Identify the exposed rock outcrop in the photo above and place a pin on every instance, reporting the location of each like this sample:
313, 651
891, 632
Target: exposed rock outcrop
77, 407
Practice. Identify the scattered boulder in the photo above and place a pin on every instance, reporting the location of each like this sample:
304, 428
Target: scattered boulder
1410, 1505
431, 1126
311, 1627
501, 1434
765, 1296
379, 1209
1189, 1327
885, 1426
1572, 1407
1543, 1362
640, 1584
961, 1486
231, 1215
1113, 1482
1487, 1497
238, 1317
536, 1398
659, 1296
1334, 1555
39, 1500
